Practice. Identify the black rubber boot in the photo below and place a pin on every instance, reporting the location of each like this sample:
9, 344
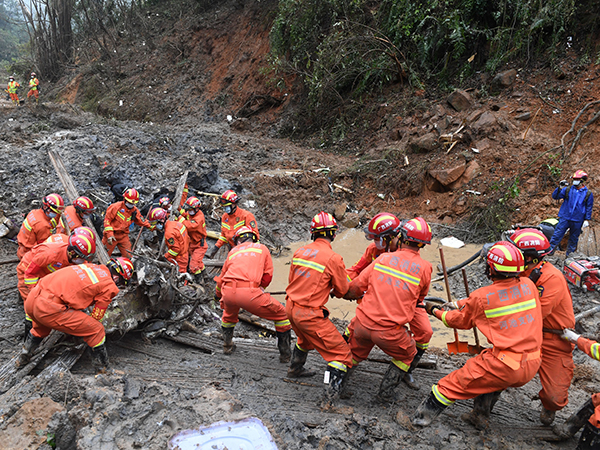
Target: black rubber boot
284, 342
391, 379
574, 423
31, 343
228, 345
344, 392
408, 379
428, 411
332, 389
100, 358
28, 327
479, 417
547, 416
297, 369
590, 438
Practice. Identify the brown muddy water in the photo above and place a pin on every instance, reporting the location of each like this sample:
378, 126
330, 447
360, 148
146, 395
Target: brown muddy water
351, 244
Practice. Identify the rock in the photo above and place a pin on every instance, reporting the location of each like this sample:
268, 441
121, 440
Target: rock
482, 144
431, 184
472, 169
504, 79
460, 100
474, 116
447, 220
241, 124
524, 116
486, 123
447, 176
351, 220
426, 143
340, 210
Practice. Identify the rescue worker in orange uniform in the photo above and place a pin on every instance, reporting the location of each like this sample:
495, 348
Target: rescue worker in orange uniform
385, 239
247, 271
556, 370
74, 214
315, 271
589, 413
48, 257
58, 301
395, 283
40, 223
233, 219
176, 238
193, 219
117, 220
33, 88
12, 90
509, 314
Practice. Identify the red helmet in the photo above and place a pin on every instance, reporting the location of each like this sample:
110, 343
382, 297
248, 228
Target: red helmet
244, 233
82, 245
33, 74
416, 230
531, 242
580, 175
123, 267
228, 197
323, 222
131, 196
383, 224
83, 205
192, 203
158, 215
54, 203
85, 231
506, 259
164, 202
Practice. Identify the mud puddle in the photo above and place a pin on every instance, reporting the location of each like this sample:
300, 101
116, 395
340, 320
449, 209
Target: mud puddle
351, 244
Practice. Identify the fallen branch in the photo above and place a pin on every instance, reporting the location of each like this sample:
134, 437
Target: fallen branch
572, 129
531, 123
10, 261
589, 312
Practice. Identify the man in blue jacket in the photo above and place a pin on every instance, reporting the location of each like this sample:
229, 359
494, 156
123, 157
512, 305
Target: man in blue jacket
575, 209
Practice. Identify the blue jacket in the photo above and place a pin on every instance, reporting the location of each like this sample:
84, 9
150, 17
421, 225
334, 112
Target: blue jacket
574, 208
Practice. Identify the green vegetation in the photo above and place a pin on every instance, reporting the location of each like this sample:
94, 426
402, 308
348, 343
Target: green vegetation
13, 33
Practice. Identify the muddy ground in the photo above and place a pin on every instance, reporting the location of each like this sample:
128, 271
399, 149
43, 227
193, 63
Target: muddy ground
160, 386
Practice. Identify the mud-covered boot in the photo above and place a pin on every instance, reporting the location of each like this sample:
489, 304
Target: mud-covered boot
590, 438
547, 416
391, 379
228, 345
334, 378
344, 391
409, 379
100, 359
428, 411
28, 326
284, 342
479, 416
297, 369
31, 343
574, 423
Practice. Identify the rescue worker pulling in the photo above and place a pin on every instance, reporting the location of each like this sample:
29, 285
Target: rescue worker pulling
40, 223
34, 88
247, 271
74, 214
193, 219
12, 90
176, 238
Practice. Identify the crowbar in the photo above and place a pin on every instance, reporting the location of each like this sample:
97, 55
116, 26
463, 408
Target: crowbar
477, 348
456, 346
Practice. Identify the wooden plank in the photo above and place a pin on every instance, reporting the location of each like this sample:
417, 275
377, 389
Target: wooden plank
71, 191
176, 202
193, 340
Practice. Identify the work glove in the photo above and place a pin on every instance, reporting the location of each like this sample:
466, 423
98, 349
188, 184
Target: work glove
112, 240
185, 276
570, 335
212, 252
564, 183
430, 307
586, 223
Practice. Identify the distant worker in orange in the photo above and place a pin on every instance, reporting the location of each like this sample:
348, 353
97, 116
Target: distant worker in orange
34, 88
384, 231
589, 413
233, 219
247, 271
117, 220
59, 300
508, 313
176, 237
394, 283
40, 223
556, 370
12, 90
74, 214
48, 257
316, 270
193, 218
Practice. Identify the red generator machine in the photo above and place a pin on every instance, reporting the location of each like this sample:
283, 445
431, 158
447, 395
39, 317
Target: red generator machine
583, 273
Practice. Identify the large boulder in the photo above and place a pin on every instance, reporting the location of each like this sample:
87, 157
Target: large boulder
472, 169
448, 173
425, 144
486, 123
504, 79
460, 100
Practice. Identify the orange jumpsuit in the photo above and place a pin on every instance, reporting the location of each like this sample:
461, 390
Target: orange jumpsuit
246, 271
196, 227
58, 237
12, 91
35, 229
315, 269
178, 244
116, 224
592, 348
557, 366
58, 301
509, 314
71, 218
230, 223
42, 260
33, 88
394, 284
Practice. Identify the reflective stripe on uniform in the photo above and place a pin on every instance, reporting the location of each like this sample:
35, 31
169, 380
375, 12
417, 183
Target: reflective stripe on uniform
101, 342
31, 281
423, 345
171, 252
240, 224
444, 318
108, 229
182, 230
90, 273
441, 397
223, 238
397, 274
282, 323
224, 225
338, 365
26, 225
400, 365
595, 351
247, 250
309, 264
510, 309
51, 268
227, 325
122, 217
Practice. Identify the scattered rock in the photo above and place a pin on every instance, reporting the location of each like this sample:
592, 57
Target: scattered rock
483, 144
425, 144
504, 79
474, 116
524, 116
472, 169
340, 210
486, 123
460, 100
448, 175
351, 220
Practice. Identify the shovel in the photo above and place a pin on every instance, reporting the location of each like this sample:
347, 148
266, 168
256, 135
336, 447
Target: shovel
477, 348
456, 346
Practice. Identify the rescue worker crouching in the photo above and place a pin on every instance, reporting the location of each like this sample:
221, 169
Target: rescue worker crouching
59, 300
247, 271
40, 223
315, 271
394, 283
176, 238
509, 314
74, 215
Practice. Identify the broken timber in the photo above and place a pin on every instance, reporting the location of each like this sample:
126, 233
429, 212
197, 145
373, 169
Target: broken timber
176, 202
